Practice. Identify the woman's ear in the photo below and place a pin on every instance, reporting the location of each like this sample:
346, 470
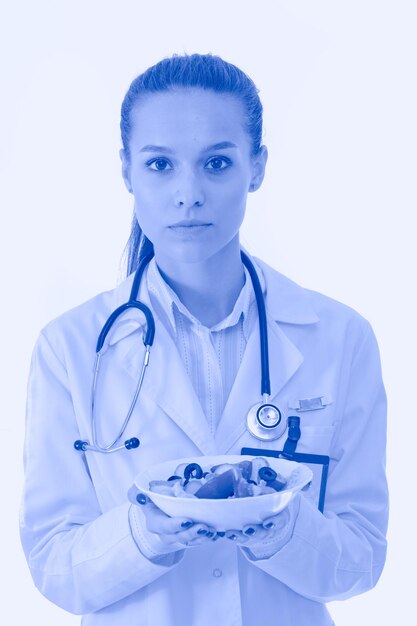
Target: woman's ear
258, 168
125, 170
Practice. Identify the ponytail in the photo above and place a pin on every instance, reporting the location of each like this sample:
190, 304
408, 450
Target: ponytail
138, 246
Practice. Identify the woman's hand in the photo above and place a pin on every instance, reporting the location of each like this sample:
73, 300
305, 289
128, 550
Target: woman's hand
256, 533
174, 532
261, 541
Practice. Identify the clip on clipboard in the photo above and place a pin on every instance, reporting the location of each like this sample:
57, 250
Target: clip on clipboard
289, 453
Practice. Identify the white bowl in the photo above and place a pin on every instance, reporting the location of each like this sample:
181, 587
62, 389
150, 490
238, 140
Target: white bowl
230, 513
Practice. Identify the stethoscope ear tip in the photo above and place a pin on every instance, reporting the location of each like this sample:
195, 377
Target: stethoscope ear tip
132, 443
80, 445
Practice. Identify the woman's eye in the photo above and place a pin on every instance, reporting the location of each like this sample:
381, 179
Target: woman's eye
160, 165
218, 163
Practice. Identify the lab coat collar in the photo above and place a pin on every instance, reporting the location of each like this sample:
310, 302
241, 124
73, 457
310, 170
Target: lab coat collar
286, 301
173, 307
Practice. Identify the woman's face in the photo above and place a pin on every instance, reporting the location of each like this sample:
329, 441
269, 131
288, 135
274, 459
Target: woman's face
190, 171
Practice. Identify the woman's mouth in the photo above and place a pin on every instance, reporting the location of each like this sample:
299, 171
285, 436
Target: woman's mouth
189, 227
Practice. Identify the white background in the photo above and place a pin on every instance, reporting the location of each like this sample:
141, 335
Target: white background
336, 212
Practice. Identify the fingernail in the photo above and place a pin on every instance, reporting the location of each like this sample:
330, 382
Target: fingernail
141, 498
201, 531
221, 533
232, 537
187, 524
270, 525
250, 531
210, 534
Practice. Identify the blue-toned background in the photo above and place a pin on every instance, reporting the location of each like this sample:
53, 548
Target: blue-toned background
337, 211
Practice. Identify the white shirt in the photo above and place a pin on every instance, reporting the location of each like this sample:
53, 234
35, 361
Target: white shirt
211, 356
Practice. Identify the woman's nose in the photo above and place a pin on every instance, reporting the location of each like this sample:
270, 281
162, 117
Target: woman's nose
189, 193
188, 204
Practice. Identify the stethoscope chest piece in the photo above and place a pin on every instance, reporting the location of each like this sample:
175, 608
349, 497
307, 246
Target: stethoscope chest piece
266, 422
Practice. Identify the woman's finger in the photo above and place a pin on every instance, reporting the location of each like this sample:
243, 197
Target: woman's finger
250, 530
159, 522
200, 539
249, 534
196, 533
259, 534
233, 535
177, 529
141, 498
277, 522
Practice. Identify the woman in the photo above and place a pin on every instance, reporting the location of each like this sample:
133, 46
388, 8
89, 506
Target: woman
191, 132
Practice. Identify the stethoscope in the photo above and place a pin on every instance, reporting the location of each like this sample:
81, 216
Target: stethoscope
264, 421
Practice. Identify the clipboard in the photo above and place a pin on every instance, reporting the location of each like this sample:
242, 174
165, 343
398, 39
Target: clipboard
316, 460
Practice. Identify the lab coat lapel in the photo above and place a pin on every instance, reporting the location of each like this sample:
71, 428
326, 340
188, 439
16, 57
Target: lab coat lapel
166, 381
286, 303
284, 360
170, 387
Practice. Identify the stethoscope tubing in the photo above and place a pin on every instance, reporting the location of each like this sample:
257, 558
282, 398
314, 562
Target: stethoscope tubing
148, 339
263, 330
110, 447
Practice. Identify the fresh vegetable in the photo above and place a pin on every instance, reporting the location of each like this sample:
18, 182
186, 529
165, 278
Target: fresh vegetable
226, 480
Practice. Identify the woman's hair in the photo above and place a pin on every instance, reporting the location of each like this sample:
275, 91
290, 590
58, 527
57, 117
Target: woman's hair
205, 71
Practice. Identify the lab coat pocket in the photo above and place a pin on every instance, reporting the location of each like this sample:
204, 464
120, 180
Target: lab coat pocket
316, 439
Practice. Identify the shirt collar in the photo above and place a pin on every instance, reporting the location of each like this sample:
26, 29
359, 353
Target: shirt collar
286, 301
166, 300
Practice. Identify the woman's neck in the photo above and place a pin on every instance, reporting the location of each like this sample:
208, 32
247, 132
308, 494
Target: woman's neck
208, 289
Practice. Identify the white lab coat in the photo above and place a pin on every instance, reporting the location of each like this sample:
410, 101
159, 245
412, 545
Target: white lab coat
74, 517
